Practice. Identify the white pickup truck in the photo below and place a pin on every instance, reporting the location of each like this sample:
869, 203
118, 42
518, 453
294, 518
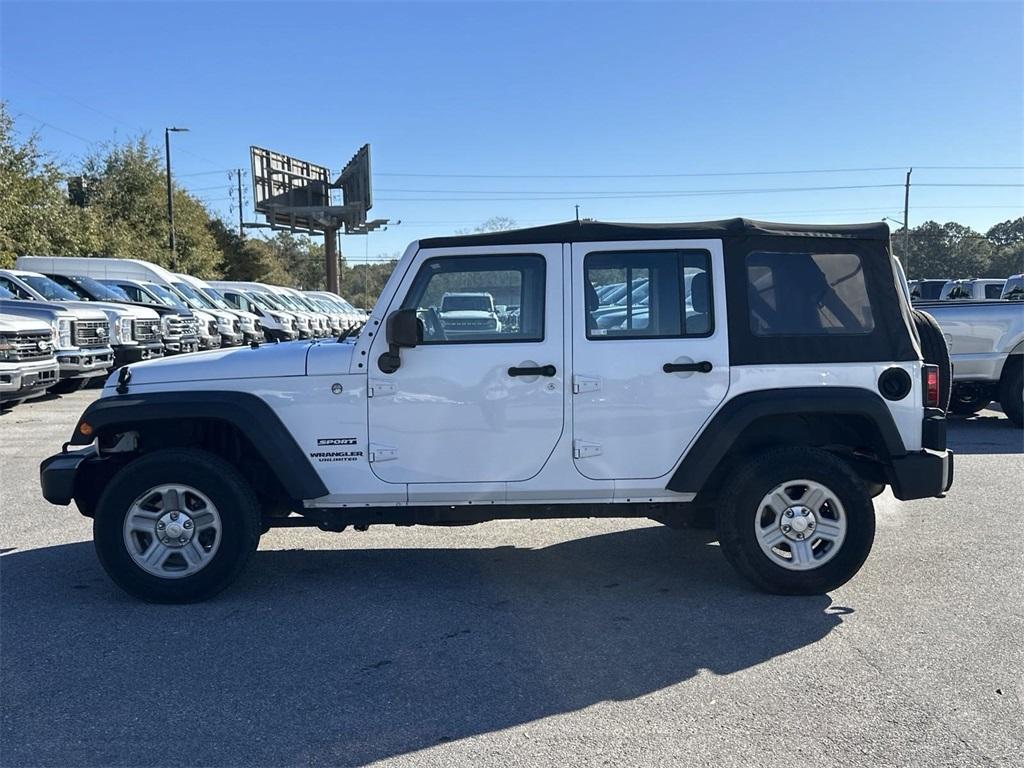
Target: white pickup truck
986, 348
777, 379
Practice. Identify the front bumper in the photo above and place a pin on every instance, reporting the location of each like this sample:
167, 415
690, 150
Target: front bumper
209, 342
180, 346
85, 363
57, 474
921, 475
137, 353
231, 339
27, 380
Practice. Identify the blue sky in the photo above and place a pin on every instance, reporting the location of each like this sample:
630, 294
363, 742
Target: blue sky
534, 91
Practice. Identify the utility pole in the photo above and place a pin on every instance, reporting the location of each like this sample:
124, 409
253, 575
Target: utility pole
906, 221
241, 227
331, 257
170, 195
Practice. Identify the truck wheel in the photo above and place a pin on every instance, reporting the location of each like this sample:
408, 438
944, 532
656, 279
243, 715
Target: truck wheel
967, 400
935, 352
1011, 390
796, 521
176, 526
67, 386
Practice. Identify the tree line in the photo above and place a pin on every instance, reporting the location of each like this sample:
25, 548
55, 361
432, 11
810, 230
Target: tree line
115, 205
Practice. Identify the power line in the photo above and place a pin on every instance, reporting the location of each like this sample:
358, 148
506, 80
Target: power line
701, 174
51, 126
656, 192
674, 193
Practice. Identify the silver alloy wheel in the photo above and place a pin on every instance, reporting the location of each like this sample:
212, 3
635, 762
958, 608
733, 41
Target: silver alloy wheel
800, 525
172, 531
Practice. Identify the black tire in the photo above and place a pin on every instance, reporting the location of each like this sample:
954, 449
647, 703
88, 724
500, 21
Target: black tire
935, 352
67, 386
967, 400
738, 511
234, 499
1011, 390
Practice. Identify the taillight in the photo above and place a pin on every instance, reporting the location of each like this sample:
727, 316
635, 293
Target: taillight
931, 386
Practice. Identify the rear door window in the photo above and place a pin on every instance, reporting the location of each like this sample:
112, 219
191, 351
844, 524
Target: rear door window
647, 294
797, 294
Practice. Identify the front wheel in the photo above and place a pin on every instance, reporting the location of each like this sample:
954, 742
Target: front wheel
796, 521
968, 400
176, 526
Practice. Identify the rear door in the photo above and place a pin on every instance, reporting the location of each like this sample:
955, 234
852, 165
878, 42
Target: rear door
649, 352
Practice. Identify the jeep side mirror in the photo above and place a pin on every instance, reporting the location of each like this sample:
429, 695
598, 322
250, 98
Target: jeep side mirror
403, 329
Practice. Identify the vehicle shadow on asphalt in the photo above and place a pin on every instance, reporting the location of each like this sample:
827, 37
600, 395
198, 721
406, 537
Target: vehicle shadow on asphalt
984, 433
343, 657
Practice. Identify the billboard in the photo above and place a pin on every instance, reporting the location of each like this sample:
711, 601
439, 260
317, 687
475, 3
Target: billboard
283, 184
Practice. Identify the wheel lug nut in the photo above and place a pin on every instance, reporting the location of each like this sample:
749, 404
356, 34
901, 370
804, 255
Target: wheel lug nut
174, 515
160, 525
182, 540
799, 535
785, 529
789, 513
187, 524
804, 512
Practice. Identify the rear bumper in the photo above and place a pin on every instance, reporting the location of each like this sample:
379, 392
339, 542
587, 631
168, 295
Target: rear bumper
921, 475
57, 474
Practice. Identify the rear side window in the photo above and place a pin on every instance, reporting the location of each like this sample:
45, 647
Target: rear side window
993, 291
798, 294
647, 294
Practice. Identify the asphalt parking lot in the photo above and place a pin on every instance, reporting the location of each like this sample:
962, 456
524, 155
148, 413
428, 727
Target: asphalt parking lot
520, 644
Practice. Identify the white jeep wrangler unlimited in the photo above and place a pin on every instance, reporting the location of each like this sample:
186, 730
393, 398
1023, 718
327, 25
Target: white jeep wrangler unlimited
771, 377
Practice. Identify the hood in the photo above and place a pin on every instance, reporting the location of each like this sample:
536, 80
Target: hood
267, 361
48, 309
134, 311
15, 324
469, 314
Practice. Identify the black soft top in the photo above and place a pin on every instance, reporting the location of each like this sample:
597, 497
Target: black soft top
589, 230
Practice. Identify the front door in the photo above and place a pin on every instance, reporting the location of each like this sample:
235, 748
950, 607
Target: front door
481, 398
650, 358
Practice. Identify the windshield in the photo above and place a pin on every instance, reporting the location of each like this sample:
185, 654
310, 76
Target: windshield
457, 303
260, 301
48, 288
98, 290
286, 301
165, 295
214, 297
278, 301
192, 298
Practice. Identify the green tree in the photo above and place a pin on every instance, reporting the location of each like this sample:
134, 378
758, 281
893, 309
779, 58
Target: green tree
127, 196
250, 259
1007, 238
361, 284
949, 250
35, 217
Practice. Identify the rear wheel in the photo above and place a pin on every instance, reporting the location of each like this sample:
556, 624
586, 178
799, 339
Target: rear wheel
796, 521
176, 526
935, 352
1011, 390
967, 400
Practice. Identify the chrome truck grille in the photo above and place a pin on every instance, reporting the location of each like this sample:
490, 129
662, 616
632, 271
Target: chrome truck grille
27, 346
92, 333
146, 330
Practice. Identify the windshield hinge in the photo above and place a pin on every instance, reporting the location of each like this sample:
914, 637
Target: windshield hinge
380, 452
581, 449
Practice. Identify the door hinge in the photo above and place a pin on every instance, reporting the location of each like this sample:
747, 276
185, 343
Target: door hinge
380, 388
585, 384
581, 449
380, 452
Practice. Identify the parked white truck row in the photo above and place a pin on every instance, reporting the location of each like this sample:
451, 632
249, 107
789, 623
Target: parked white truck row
67, 320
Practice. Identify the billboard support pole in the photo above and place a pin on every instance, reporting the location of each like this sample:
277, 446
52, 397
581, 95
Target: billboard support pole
331, 257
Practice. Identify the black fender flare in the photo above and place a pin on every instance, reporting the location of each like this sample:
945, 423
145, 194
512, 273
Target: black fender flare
250, 415
721, 432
